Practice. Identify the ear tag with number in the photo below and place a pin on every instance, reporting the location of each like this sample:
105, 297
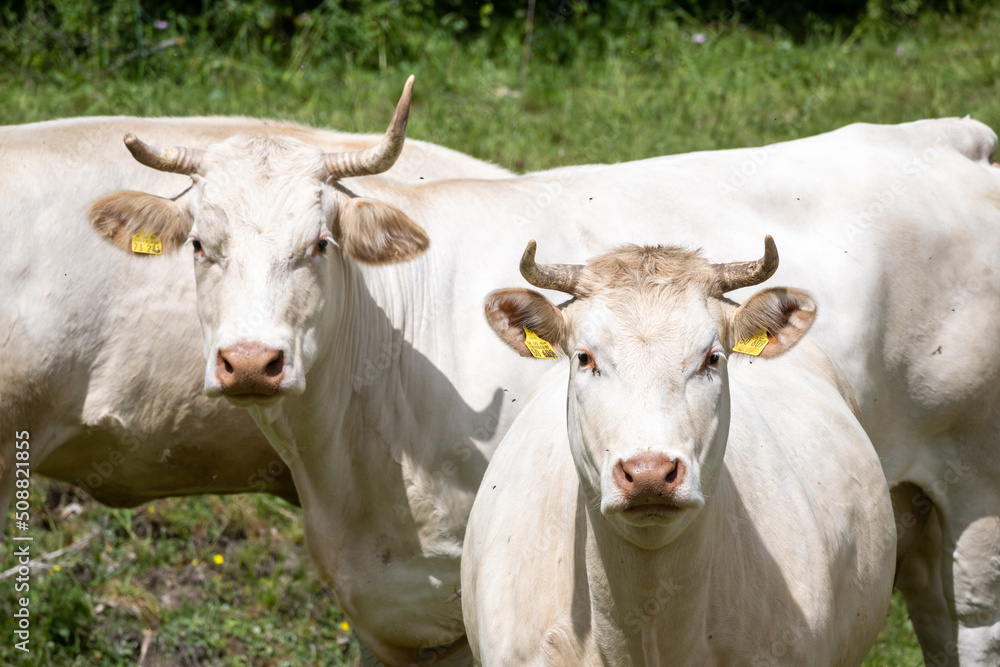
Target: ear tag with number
147, 245
540, 349
752, 345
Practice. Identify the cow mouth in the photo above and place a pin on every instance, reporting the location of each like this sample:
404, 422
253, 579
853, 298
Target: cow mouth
657, 510
664, 510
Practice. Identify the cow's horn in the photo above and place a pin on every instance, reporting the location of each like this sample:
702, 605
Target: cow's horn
177, 159
561, 277
378, 158
734, 275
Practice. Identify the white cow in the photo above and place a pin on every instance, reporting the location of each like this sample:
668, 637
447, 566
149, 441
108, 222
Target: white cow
679, 503
100, 350
386, 396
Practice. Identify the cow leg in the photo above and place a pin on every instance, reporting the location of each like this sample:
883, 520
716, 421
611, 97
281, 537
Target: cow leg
918, 577
972, 536
976, 574
368, 658
951, 576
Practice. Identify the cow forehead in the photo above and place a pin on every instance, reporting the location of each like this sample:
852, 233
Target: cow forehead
263, 185
638, 327
262, 158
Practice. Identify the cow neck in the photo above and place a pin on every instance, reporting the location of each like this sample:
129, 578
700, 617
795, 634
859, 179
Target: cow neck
349, 386
377, 329
371, 530
653, 604
368, 397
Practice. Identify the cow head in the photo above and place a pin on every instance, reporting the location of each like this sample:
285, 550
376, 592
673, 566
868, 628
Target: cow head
649, 333
272, 235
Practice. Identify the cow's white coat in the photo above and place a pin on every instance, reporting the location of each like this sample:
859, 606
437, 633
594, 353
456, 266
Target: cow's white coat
783, 549
893, 229
100, 350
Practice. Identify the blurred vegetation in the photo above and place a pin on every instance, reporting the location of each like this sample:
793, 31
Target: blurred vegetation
602, 82
65, 34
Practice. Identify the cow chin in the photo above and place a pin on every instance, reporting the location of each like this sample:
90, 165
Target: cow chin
652, 525
251, 400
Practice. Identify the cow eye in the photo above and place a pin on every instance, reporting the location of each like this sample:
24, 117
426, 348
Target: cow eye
322, 244
586, 361
199, 251
715, 355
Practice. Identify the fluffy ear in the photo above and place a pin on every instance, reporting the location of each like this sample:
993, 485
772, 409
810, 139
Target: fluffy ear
784, 313
509, 311
374, 232
118, 216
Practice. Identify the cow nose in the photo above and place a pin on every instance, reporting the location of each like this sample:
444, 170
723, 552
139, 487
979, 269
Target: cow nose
250, 369
649, 478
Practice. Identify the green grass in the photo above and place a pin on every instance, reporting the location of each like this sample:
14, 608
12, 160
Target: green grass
202, 581
896, 645
149, 574
669, 95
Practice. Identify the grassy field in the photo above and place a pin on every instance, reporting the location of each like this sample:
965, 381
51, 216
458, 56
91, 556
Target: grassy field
225, 581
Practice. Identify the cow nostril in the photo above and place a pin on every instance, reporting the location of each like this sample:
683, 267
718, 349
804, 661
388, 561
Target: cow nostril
628, 477
228, 366
672, 475
276, 365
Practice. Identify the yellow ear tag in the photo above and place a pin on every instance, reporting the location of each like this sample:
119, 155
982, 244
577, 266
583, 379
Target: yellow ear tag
752, 345
147, 245
540, 349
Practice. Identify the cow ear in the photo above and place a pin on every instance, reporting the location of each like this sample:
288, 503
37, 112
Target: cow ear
510, 311
374, 232
784, 313
117, 217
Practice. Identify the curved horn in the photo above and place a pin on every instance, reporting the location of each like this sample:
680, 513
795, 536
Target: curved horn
734, 275
176, 159
378, 158
561, 277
